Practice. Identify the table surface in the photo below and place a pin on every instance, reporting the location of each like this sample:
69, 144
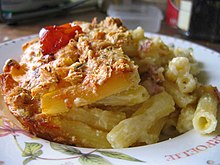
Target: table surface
9, 32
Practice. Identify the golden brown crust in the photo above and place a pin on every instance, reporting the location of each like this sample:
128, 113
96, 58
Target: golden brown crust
97, 51
84, 67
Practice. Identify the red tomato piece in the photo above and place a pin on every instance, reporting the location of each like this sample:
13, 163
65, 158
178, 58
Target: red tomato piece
53, 38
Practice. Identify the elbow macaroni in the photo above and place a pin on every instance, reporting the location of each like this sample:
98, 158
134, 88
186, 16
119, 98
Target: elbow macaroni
177, 67
186, 83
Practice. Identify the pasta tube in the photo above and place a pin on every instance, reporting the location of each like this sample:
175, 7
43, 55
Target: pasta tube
186, 83
128, 131
178, 66
181, 99
84, 135
134, 95
204, 120
184, 122
169, 129
151, 135
95, 117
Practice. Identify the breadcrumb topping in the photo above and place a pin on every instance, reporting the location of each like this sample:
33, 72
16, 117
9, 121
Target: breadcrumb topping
89, 59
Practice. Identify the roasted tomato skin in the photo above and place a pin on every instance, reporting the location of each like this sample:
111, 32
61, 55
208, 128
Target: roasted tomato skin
53, 38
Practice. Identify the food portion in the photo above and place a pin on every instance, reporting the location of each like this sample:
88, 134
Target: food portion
101, 85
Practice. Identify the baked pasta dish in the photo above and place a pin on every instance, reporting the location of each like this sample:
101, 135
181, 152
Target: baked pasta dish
98, 84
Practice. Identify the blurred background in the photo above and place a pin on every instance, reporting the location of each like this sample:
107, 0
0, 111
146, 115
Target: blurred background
194, 20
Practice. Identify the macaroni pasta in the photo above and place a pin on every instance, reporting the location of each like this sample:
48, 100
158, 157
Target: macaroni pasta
108, 87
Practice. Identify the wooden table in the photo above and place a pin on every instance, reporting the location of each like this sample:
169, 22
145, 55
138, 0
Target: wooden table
8, 32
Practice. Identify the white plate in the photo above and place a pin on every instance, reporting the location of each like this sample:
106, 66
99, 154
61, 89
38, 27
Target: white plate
17, 148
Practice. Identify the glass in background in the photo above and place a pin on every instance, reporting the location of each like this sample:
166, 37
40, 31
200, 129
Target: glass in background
200, 19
